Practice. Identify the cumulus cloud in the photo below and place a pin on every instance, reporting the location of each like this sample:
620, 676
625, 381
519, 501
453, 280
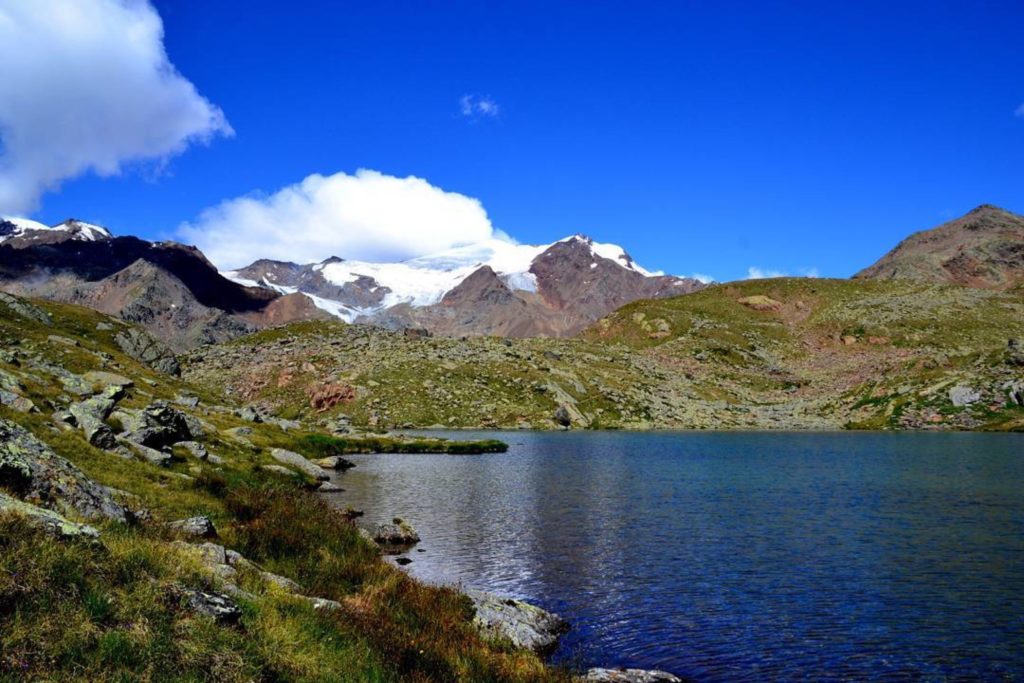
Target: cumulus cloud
701, 277
367, 216
477, 106
755, 273
86, 86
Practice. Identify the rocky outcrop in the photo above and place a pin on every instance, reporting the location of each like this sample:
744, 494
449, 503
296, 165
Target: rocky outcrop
25, 309
30, 470
523, 624
144, 348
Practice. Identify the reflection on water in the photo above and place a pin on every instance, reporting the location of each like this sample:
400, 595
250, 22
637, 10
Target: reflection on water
729, 556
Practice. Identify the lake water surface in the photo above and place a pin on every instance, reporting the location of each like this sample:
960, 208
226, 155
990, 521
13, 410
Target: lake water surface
735, 556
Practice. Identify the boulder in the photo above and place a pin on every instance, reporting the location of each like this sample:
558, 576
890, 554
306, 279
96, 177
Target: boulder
525, 625
250, 414
49, 520
218, 606
335, 462
300, 463
961, 396
195, 527
16, 402
159, 425
398, 532
562, 416
329, 487
629, 676
33, 472
147, 350
90, 415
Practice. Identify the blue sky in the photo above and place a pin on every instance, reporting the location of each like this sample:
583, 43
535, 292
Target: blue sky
706, 137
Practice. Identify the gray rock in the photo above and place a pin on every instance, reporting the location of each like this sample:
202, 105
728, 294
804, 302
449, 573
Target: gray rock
562, 416
197, 449
187, 400
108, 379
525, 625
398, 532
277, 469
159, 425
63, 341
1015, 351
329, 487
150, 455
322, 604
147, 350
630, 676
221, 608
282, 582
104, 327
90, 415
300, 463
33, 472
250, 414
47, 519
25, 309
195, 527
16, 402
961, 396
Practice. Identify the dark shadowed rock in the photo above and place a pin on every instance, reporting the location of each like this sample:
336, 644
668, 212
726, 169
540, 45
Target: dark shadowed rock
217, 606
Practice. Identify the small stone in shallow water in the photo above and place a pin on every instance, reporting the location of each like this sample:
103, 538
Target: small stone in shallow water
403, 561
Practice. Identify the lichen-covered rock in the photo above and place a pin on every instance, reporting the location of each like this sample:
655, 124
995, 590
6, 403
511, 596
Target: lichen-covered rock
525, 625
108, 379
25, 309
16, 402
398, 532
300, 463
33, 472
47, 519
147, 350
90, 415
629, 676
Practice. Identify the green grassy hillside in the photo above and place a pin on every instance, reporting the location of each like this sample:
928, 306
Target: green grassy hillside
119, 599
786, 354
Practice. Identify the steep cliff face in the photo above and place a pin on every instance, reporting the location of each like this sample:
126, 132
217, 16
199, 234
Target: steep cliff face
984, 248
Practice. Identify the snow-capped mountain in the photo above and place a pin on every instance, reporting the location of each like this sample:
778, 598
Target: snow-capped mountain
23, 232
492, 287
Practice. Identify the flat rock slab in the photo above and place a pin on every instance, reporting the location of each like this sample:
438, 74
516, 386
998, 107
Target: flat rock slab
526, 625
300, 463
49, 520
629, 676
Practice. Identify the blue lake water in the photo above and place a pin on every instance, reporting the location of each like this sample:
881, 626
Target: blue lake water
735, 556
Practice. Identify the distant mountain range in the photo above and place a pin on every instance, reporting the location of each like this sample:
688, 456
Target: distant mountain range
490, 288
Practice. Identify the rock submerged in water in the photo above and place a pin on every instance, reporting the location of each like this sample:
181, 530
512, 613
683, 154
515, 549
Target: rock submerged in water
525, 625
397, 533
629, 676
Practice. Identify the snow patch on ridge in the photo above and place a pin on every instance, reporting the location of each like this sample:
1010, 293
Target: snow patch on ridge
25, 226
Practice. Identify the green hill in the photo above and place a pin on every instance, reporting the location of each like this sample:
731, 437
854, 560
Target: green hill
101, 580
774, 354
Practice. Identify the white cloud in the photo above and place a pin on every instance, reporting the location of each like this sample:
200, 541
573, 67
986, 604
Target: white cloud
367, 216
755, 273
701, 277
477, 106
86, 85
